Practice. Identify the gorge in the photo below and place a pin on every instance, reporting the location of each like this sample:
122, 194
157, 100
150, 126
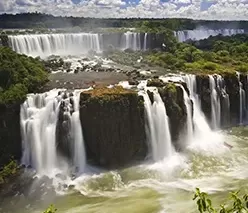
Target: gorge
130, 145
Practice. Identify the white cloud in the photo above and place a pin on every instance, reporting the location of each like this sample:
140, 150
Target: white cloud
220, 9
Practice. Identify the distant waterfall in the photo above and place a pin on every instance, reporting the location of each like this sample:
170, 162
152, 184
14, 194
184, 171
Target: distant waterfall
145, 42
215, 104
158, 131
199, 34
56, 44
131, 40
39, 117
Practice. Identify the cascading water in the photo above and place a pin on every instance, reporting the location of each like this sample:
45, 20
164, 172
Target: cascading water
187, 101
39, 116
225, 105
77, 136
158, 131
199, 34
242, 101
56, 44
131, 40
215, 104
145, 42
201, 128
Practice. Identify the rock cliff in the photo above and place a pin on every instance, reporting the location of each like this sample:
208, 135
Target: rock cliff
113, 125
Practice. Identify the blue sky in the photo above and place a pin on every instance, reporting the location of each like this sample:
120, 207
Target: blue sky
197, 9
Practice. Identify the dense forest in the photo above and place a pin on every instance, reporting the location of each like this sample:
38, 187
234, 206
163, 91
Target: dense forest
19, 75
39, 20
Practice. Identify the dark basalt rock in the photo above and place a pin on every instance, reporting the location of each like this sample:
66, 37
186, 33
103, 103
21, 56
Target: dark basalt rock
232, 88
203, 90
173, 99
113, 125
155, 82
63, 134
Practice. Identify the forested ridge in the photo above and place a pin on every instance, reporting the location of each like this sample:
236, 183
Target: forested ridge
39, 20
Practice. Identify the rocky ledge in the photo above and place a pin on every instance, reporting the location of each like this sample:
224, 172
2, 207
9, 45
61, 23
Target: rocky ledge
113, 124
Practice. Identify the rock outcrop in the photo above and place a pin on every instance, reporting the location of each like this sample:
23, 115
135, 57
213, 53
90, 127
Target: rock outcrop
172, 96
113, 125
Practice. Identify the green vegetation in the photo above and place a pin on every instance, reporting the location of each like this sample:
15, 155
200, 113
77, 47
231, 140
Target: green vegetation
8, 171
51, 209
19, 75
214, 55
236, 204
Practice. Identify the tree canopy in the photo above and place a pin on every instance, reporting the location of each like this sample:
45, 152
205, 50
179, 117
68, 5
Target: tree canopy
19, 75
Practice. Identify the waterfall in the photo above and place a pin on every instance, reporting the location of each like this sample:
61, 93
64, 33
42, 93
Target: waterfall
158, 131
145, 42
242, 100
77, 136
201, 127
225, 104
131, 40
187, 101
215, 104
39, 117
56, 44
199, 34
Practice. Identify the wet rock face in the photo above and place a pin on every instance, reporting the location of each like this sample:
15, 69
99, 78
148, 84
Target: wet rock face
63, 127
113, 125
10, 134
173, 99
203, 90
232, 88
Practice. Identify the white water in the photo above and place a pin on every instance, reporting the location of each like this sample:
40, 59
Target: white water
215, 104
56, 44
242, 100
203, 137
199, 34
158, 131
131, 40
39, 116
145, 41
189, 133
77, 136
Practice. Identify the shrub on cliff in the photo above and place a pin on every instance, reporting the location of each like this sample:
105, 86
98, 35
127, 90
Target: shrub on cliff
19, 75
8, 171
